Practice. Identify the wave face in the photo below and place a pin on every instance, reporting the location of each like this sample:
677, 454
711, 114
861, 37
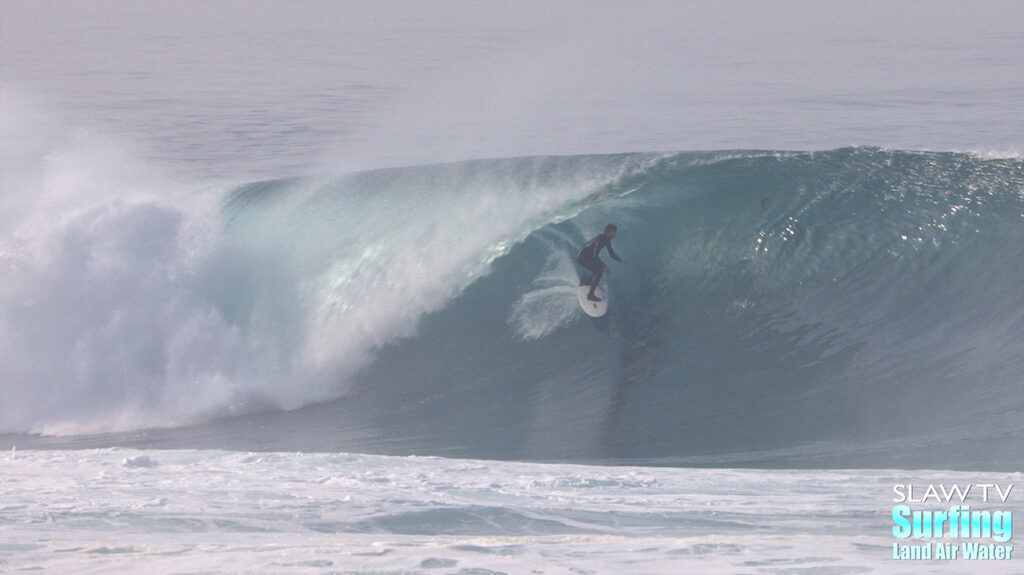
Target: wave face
851, 307
854, 305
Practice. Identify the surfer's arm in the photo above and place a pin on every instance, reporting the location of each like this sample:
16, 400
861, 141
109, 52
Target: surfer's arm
614, 255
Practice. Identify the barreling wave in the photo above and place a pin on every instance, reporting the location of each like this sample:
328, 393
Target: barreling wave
850, 307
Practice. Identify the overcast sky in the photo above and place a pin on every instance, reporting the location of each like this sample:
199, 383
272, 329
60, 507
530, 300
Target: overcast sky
420, 81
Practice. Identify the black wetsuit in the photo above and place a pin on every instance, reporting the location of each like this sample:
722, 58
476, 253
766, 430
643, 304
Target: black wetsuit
588, 258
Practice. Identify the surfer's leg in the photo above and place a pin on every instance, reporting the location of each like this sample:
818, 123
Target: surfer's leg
598, 269
595, 270
597, 279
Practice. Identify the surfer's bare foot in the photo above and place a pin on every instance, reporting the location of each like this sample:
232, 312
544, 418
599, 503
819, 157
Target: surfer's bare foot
593, 297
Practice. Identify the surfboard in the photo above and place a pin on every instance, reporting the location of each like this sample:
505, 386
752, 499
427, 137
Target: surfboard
592, 308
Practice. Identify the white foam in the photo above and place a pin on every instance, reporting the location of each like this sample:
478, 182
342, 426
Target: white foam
552, 304
77, 511
99, 322
124, 305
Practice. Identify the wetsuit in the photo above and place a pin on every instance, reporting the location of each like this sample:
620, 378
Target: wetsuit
588, 258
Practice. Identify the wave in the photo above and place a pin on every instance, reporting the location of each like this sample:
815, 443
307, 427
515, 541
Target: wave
851, 301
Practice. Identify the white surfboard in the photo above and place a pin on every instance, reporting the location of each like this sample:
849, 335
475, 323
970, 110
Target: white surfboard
592, 308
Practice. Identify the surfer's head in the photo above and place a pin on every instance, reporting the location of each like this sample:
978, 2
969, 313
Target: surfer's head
610, 230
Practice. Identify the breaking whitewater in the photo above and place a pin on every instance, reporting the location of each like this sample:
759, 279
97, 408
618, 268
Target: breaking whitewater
183, 382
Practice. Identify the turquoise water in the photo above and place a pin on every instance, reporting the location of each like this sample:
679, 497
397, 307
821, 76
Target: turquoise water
781, 309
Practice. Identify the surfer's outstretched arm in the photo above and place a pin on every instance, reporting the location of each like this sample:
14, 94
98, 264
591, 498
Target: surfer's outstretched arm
615, 256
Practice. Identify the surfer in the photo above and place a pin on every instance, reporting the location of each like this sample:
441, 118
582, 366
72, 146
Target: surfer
588, 258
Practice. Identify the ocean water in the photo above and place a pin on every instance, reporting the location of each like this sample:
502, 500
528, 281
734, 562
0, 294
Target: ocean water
117, 511
291, 289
